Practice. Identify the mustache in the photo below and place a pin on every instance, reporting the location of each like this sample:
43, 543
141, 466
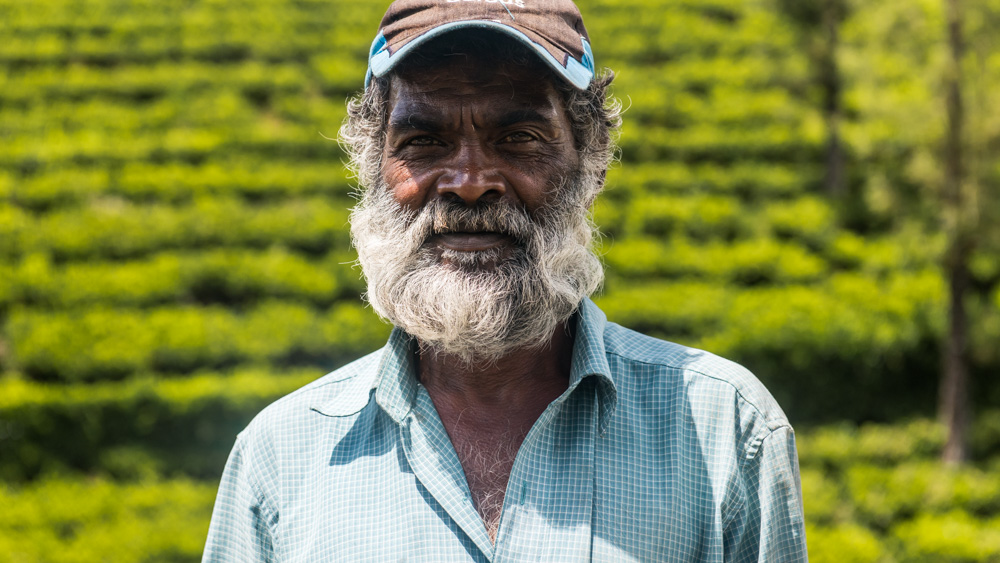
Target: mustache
442, 216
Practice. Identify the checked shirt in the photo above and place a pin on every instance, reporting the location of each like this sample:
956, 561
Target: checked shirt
655, 452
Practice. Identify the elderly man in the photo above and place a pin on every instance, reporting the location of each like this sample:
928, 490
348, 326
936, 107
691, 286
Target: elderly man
506, 419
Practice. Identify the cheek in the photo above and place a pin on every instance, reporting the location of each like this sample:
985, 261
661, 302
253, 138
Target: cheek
405, 188
539, 185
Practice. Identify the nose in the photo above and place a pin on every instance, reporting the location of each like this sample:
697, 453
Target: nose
472, 175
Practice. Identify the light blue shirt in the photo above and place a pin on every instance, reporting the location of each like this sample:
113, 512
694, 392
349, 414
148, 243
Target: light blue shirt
655, 452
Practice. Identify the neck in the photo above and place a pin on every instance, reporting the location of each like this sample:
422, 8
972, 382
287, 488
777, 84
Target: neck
513, 387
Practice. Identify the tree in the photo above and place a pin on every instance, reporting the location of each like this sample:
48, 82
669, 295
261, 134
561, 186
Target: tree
925, 76
953, 407
818, 25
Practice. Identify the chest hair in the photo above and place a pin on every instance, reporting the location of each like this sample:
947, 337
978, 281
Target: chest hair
487, 462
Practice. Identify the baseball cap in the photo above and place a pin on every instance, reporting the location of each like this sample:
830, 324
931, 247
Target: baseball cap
553, 29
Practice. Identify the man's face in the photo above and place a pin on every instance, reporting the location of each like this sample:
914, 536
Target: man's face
476, 241
473, 135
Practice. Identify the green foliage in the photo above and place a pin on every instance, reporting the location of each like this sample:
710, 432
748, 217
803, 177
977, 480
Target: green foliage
178, 182
146, 426
845, 342
882, 495
952, 537
101, 343
77, 521
845, 543
213, 276
839, 446
114, 228
878, 493
747, 179
747, 262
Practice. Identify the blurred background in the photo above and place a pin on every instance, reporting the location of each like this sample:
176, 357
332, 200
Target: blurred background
809, 187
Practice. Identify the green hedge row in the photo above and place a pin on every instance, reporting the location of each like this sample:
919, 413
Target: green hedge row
57, 33
233, 109
723, 104
144, 427
711, 143
216, 276
704, 217
835, 448
194, 144
105, 344
175, 182
951, 537
877, 493
89, 148
248, 177
747, 262
798, 248
700, 217
763, 67
849, 341
750, 180
681, 30
145, 81
91, 520
115, 228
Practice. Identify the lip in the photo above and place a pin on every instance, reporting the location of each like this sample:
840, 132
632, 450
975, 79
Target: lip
470, 242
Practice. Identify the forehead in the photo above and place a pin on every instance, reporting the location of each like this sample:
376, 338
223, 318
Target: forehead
457, 81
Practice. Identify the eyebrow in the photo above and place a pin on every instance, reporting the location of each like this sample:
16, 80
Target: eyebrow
415, 122
423, 120
525, 115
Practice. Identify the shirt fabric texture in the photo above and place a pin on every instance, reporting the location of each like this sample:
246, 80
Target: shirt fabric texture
655, 452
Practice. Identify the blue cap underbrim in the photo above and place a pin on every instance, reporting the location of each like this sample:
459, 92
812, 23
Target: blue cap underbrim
577, 73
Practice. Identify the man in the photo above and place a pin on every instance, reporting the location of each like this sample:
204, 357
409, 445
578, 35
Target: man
506, 419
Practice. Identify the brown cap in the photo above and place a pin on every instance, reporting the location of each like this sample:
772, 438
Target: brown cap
553, 29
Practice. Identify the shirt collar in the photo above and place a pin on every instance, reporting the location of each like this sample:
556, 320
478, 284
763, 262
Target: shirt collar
590, 359
397, 376
395, 380
389, 372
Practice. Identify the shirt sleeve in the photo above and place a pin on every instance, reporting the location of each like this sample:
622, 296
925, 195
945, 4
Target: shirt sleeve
242, 520
772, 525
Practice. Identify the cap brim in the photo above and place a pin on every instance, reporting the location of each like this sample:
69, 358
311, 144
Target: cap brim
578, 73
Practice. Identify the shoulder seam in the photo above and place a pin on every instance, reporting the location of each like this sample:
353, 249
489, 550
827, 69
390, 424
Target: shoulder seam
270, 513
753, 448
739, 392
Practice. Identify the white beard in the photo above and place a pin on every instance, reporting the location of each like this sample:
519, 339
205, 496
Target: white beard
464, 308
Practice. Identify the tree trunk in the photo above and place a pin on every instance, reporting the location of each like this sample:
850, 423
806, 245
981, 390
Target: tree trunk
831, 83
954, 392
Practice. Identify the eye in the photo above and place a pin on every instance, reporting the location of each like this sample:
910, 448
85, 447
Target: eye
422, 141
518, 137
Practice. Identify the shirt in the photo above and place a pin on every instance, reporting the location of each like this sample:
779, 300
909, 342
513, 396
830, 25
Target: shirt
655, 452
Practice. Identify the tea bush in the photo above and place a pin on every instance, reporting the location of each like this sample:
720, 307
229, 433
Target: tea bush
78, 521
149, 425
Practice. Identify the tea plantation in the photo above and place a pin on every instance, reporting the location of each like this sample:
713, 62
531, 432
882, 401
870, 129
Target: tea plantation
174, 255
